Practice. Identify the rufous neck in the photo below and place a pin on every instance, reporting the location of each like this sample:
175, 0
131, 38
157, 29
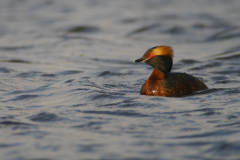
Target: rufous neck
157, 75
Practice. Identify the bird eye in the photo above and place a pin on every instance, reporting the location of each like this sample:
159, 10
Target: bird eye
152, 55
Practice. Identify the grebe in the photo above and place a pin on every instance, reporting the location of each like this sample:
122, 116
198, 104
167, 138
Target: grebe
163, 83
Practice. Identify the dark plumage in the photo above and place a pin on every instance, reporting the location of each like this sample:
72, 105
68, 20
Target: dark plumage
162, 63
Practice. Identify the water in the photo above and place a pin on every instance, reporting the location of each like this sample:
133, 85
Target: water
69, 89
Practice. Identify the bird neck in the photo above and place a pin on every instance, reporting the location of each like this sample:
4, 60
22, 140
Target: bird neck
157, 75
161, 63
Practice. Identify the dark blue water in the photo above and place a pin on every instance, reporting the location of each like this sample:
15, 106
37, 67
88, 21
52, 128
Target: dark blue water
69, 88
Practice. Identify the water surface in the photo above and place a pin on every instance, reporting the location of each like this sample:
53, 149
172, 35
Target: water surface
69, 89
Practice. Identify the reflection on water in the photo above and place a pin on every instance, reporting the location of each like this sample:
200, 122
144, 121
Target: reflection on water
69, 88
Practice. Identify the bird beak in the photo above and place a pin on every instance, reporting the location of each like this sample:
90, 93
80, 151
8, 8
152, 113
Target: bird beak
139, 60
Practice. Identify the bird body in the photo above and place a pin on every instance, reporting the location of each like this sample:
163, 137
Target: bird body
163, 83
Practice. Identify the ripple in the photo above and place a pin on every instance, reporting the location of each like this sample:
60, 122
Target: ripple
4, 70
229, 54
88, 83
225, 148
36, 134
185, 62
232, 117
191, 144
16, 125
28, 74
4, 145
89, 147
192, 111
13, 48
7, 117
16, 61
189, 61
113, 61
24, 97
128, 113
48, 75
83, 29
108, 73
12, 123
143, 29
206, 66
90, 125
227, 72
220, 77
69, 72
227, 33
101, 96
210, 113
190, 129
44, 117
237, 124
174, 30
230, 57
128, 20
215, 133
232, 49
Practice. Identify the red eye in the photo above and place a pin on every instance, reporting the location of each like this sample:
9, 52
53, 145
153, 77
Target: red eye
152, 55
